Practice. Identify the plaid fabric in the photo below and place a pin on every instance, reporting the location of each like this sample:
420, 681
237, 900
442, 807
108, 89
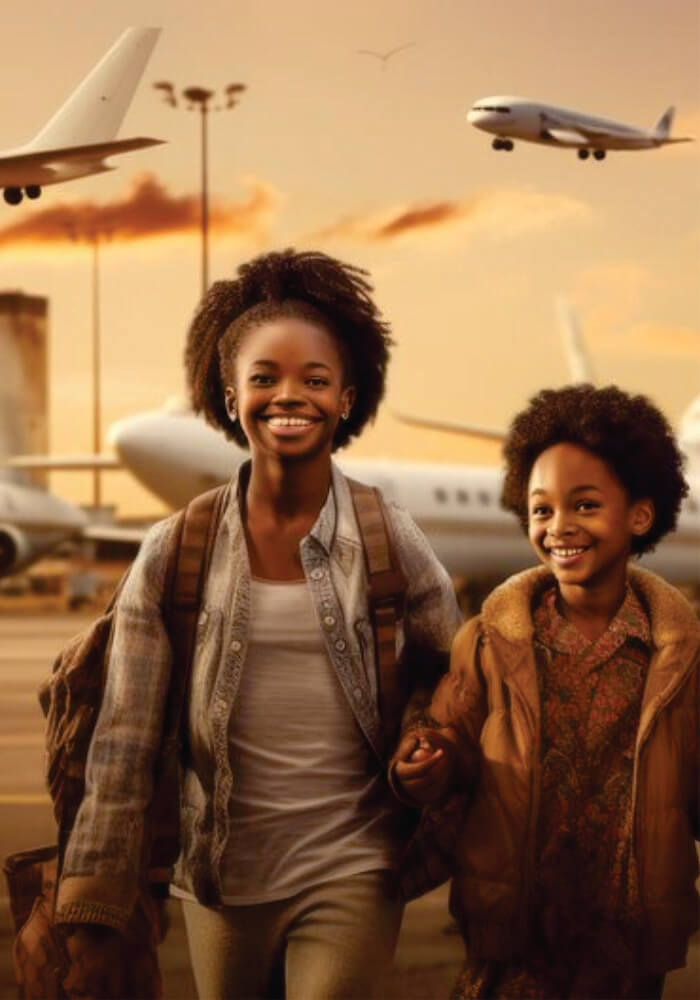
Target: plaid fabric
106, 847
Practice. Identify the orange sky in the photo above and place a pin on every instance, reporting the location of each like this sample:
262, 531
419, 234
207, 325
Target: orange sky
469, 249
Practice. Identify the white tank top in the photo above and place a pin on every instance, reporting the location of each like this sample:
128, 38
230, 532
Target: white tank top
308, 802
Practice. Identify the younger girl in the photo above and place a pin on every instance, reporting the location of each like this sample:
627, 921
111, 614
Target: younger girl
569, 718
290, 835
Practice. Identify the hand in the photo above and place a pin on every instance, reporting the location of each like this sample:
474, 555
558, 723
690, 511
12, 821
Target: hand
96, 963
424, 765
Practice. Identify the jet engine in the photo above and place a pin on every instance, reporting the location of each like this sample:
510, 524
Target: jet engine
18, 548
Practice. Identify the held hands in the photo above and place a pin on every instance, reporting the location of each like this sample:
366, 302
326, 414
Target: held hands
96, 963
424, 765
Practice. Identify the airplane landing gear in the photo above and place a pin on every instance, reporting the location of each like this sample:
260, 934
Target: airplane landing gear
583, 154
599, 154
12, 196
506, 144
33, 191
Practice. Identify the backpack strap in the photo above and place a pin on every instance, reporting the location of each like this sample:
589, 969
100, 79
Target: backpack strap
387, 591
186, 574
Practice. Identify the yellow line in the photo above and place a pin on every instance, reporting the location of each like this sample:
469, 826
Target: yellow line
25, 799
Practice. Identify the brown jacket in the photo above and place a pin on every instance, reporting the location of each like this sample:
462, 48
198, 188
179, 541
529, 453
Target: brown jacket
489, 706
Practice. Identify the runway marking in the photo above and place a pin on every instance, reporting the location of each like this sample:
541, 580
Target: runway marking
25, 799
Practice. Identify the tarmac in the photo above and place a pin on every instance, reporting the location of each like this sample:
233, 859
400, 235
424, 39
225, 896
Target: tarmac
429, 953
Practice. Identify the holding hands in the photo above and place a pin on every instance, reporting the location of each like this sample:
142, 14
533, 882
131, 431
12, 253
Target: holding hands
424, 765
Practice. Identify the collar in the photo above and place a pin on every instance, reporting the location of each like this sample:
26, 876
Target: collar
553, 629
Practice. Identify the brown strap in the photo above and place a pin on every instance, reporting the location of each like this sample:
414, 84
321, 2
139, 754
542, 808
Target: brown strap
387, 590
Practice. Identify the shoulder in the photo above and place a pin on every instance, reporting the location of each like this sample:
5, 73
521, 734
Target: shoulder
147, 572
671, 617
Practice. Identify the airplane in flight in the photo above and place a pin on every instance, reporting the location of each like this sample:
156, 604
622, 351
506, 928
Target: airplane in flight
510, 118
76, 141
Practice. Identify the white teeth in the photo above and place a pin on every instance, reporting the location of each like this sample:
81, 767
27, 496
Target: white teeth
565, 553
289, 422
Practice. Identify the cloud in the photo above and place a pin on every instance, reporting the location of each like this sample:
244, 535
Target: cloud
497, 213
147, 210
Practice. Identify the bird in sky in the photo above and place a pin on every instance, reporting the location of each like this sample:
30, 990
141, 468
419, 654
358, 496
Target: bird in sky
385, 56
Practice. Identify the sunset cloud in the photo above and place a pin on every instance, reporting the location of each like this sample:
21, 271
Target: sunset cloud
497, 213
147, 210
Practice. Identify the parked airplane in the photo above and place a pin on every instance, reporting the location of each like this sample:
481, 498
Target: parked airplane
510, 118
78, 138
177, 455
32, 522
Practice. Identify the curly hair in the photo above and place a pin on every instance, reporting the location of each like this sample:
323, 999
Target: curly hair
627, 432
307, 285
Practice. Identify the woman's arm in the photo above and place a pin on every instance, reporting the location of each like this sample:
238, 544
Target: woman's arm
104, 856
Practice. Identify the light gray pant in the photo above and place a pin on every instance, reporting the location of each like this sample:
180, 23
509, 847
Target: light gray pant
334, 941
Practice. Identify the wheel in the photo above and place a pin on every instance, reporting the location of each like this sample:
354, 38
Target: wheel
12, 196
497, 144
599, 154
583, 154
32, 191
508, 144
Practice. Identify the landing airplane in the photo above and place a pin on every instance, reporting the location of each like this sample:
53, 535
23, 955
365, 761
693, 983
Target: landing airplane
82, 133
510, 118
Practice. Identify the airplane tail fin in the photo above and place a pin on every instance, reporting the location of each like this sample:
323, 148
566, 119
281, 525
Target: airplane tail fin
94, 111
578, 360
662, 129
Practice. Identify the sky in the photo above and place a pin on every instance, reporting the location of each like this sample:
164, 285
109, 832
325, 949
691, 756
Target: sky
468, 249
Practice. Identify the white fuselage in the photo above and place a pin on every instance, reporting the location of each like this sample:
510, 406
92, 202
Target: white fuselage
521, 118
177, 456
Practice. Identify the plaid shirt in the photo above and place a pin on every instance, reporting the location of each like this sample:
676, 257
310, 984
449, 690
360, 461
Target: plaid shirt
104, 855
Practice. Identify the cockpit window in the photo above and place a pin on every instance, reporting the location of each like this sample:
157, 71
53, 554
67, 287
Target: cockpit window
491, 107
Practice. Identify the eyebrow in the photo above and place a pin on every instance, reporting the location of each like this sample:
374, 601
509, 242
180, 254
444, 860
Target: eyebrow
274, 364
576, 489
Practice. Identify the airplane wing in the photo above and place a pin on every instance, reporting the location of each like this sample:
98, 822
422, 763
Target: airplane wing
91, 152
113, 533
477, 430
566, 132
63, 463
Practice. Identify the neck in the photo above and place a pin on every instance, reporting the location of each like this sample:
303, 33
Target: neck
288, 489
592, 608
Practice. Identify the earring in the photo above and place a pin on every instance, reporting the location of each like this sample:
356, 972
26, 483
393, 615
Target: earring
345, 415
232, 413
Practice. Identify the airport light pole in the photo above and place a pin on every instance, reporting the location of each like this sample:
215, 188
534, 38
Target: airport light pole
200, 98
92, 233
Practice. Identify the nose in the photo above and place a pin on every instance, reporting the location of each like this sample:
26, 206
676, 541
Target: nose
560, 525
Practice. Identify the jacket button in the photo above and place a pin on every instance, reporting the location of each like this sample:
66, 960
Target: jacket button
340, 645
329, 621
236, 646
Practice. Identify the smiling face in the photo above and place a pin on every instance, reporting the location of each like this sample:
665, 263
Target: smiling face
581, 521
289, 391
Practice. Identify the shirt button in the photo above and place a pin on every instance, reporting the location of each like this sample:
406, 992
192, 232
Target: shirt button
236, 646
357, 694
329, 621
340, 645
317, 574
327, 605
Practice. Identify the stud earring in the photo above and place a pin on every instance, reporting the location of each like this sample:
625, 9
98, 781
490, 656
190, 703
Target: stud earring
233, 414
345, 415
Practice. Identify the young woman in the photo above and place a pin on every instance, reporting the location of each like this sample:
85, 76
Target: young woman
290, 836
569, 721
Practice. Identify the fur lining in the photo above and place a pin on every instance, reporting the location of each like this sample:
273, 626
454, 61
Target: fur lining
507, 609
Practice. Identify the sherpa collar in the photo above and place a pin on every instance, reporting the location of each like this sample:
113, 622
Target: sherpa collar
508, 609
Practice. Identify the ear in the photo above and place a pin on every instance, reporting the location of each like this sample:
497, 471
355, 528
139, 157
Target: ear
231, 404
347, 398
642, 516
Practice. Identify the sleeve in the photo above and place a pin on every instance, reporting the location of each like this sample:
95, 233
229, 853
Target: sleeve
103, 859
431, 616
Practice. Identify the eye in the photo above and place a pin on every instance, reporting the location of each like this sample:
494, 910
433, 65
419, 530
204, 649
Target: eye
540, 510
587, 505
260, 378
317, 381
